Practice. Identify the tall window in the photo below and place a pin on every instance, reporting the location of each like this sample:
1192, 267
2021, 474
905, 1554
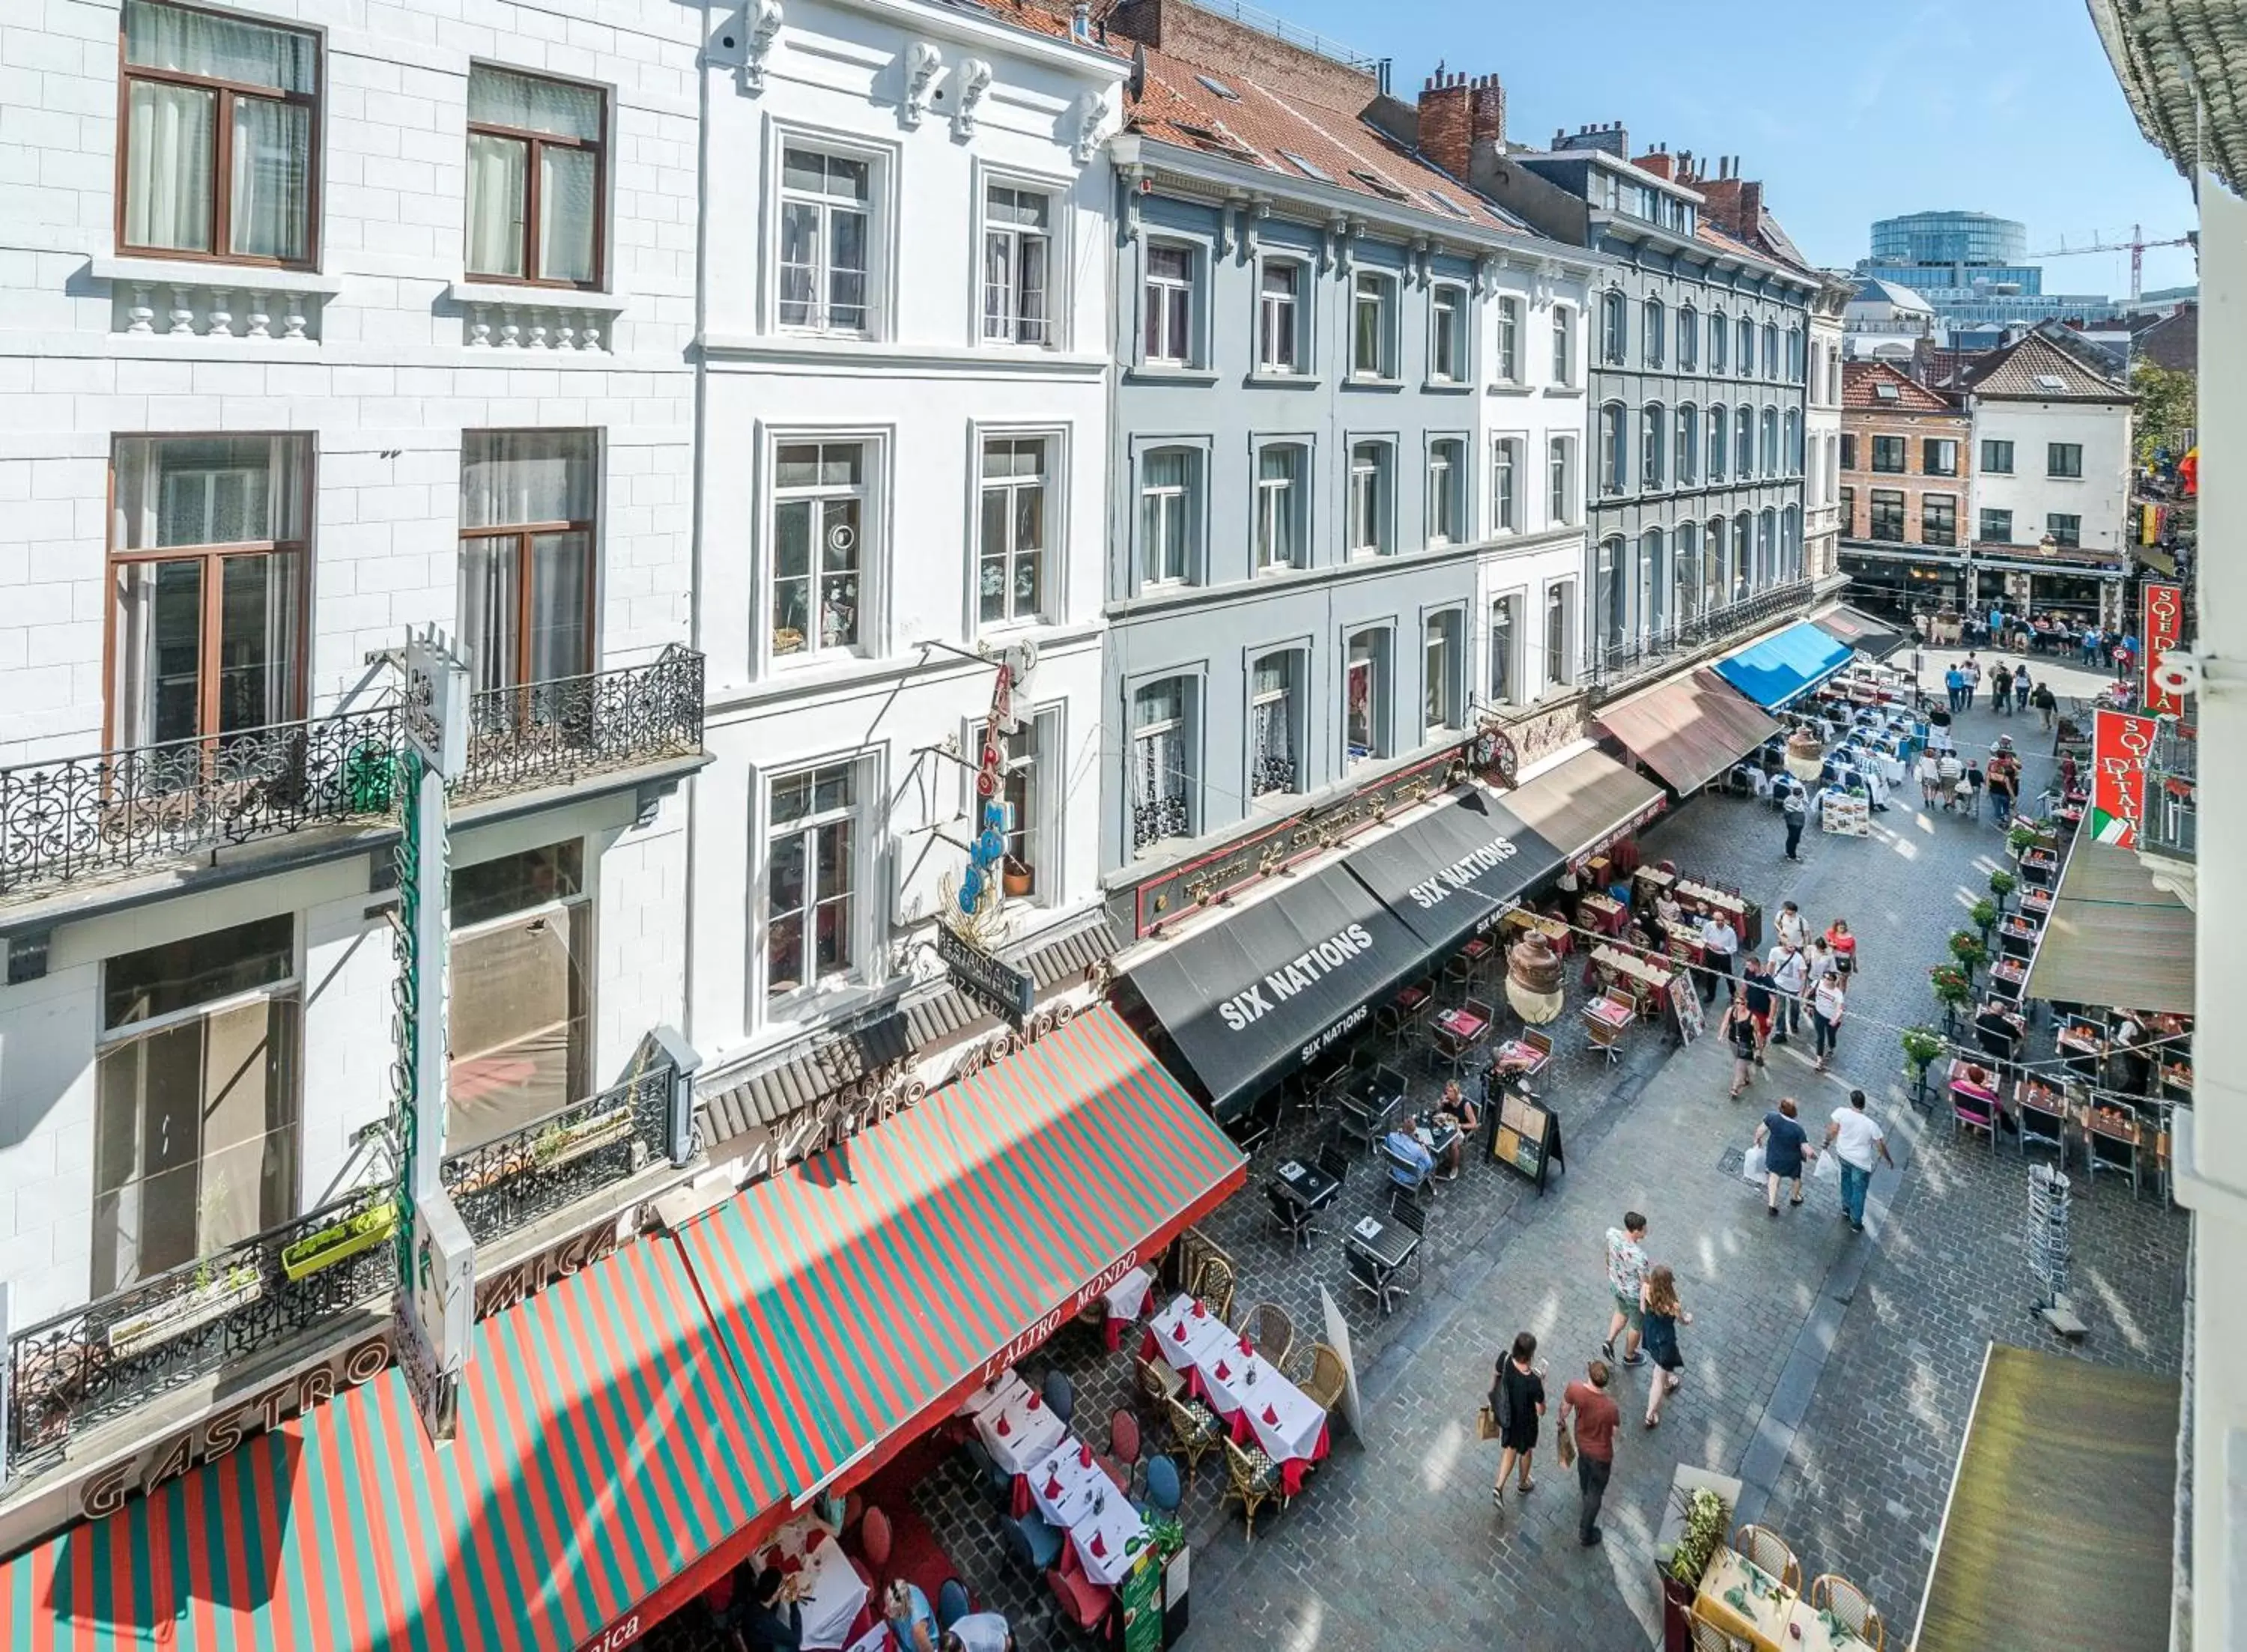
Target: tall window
2063, 459
1888, 455
1614, 445
1997, 458
1559, 608
1371, 337
1281, 540
527, 563
1939, 455
1509, 341
1447, 492
535, 184
1447, 336
1505, 486
1770, 363
1560, 479
1365, 698
1505, 686
1368, 497
1743, 555
1011, 574
216, 156
1272, 764
1689, 340
1848, 498
1719, 332
1887, 516
1718, 428
1158, 763
1564, 346
2065, 528
1938, 519
1439, 672
1770, 440
1024, 834
1653, 439
1795, 362
1168, 331
1849, 450
1654, 330
812, 878
522, 1006
820, 498
1610, 592
1614, 327
1685, 575
1688, 445
826, 231
1744, 344
1743, 448
1017, 260
1165, 516
1715, 579
1996, 528
1653, 587
1794, 443
207, 570
1278, 313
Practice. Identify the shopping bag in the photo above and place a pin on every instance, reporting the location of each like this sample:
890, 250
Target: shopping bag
1828, 1169
1487, 1425
1752, 1165
1565, 1443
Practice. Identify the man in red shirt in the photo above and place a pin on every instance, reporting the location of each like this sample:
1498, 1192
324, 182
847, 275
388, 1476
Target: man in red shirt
1595, 1416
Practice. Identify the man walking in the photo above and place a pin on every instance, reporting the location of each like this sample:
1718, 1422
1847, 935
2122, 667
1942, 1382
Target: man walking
1595, 1415
1858, 1143
1795, 809
1719, 941
1626, 1273
1790, 976
1793, 928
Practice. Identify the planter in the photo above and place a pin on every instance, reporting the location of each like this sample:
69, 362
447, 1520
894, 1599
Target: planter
188, 1311
339, 1242
1017, 881
586, 1136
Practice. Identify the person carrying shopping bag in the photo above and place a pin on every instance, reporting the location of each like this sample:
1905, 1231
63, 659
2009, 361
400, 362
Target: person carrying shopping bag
1784, 1145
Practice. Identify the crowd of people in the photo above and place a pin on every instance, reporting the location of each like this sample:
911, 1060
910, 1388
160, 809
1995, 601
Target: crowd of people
2050, 634
1803, 977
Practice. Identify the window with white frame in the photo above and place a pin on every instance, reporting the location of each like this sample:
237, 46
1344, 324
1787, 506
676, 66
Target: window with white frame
1272, 726
1012, 573
1771, 362
1714, 581
1166, 334
1743, 554
1370, 497
826, 241
1685, 574
1166, 514
1610, 592
1770, 441
1653, 587
1447, 335
822, 495
1793, 448
1654, 330
1718, 428
1564, 346
1560, 479
1017, 265
1509, 341
1653, 440
1689, 340
812, 878
1372, 333
1022, 793
1794, 358
1279, 313
1615, 448
1719, 332
1744, 345
1439, 673
1447, 492
1560, 626
1505, 486
1365, 698
1505, 685
1614, 327
535, 184
1687, 459
1743, 448
1159, 764
1283, 495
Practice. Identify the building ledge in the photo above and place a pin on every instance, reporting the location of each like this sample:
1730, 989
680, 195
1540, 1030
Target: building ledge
195, 272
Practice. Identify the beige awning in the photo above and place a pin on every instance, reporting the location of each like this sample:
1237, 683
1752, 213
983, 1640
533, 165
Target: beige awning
1689, 730
2114, 939
1585, 803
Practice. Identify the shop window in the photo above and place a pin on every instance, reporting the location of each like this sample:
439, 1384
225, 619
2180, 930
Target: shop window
522, 985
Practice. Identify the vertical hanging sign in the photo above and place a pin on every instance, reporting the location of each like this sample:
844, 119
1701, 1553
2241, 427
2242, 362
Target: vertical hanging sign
2120, 742
964, 940
2162, 607
434, 1307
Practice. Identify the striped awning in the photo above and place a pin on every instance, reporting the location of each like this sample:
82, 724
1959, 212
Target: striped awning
869, 1288
591, 1418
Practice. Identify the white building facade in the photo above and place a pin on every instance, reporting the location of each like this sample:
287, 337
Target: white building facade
1821, 418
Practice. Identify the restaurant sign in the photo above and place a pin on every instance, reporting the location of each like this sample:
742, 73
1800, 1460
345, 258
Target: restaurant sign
2162, 607
2120, 742
1035, 1336
1005, 990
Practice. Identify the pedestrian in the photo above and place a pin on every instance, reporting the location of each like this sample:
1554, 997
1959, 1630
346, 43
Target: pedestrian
1755, 992
2046, 702
1793, 928
1790, 976
1818, 964
1517, 1400
1931, 777
1740, 1034
1719, 941
1973, 779
1953, 681
2001, 688
1973, 682
1843, 944
2004, 779
1949, 774
1784, 1142
1795, 809
1663, 1316
1625, 1268
910, 1620
1595, 1416
1860, 1145
1827, 1001
2022, 687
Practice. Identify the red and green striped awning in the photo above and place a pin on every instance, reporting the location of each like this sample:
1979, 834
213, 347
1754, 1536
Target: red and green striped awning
591, 1418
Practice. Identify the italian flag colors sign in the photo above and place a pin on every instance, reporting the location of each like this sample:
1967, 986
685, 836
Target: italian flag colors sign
2119, 741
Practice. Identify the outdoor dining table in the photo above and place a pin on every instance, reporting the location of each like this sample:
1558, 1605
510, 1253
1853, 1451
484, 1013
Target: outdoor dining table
1183, 1331
832, 1593
1124, 1303
1599, 912
1306, 1186
1107, 1539
1606, 1011
1019, 1429
1809, 1629
1258, 1401
1006, 1385
1515, 1056
1390, 1245
1064, 1486
1462, 1024
1742, 1599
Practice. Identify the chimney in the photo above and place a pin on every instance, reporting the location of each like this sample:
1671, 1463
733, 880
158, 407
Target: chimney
1656, 162
1446, 122
1080, 21
1487, 116
1607, 136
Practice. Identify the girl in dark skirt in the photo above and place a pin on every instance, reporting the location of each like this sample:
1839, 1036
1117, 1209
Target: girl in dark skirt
1659, 1306
1517, 1399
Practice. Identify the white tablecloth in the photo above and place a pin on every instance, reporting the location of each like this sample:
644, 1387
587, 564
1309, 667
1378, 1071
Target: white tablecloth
1206, 1335
1253, 1386
1080, 1484
1127, 1298
1115, 1523
1031, 1430
1007, 1385
832, 1592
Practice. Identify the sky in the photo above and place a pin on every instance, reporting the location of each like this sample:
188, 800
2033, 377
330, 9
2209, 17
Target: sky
1852, 112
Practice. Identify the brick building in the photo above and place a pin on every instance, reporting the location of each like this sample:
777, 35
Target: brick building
1906, 464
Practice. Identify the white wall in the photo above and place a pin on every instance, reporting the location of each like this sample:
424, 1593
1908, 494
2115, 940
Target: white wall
1822, 524
2101, 497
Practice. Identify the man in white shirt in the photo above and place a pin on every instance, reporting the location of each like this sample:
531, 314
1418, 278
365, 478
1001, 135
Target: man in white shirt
1719, 941
1859, 1145
1792, 927
1790, 978
979, 1632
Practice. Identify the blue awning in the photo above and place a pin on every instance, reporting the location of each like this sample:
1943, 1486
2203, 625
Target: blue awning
1782, 669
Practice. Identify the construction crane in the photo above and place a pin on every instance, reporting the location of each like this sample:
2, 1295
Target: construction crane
2136, 246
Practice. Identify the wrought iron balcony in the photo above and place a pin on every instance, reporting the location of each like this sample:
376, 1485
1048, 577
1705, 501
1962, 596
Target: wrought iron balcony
2170, 829
554, 732
77, 1371
1274, 771
1633, 657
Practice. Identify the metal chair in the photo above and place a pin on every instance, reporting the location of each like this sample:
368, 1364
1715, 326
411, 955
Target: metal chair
1323, 1377
1121, 1461
2042, 1125
1849, 1603
1291, 1218
1971, 1109
1765, 1549
1274, 1332
1251, 1479
1407, 1214
1194, 1429
1061, 1395
1406, 1173
952, 1603
1372, 1277
1333, 1160
1605, 1036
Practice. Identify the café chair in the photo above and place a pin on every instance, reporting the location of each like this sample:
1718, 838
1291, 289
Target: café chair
1323, 1377
1850, 1604
1765, 1549
1060, 1394
1082, 1601
995, 1479
1212, 1287
1194, 1429
1371, 1277
1274, 1332
1164, 1492
1251, 1479
1604, 1036
874, 1537
1029, 1541
1973, 1109
1158, 1381
1707, 1637
952, 1603
1292, 1219
2043, 1117
1406, 1175
1121, 1461
1333, 1161
1407, 1214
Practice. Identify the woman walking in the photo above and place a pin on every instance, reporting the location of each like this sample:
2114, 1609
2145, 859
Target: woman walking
1931, 777
1661, 1315
1740, 1033
1827, 1001
1517, 1400
1783, 1140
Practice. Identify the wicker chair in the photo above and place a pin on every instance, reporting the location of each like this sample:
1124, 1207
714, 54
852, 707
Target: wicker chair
1251, 1479
1767, 1550
1159, 1382
1273, 1331
1213, 1285
1849, 1603
1196, 1431
1323, 1377
1707, 1637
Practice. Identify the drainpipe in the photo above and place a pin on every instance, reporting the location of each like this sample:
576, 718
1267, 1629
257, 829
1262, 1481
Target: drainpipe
696, 474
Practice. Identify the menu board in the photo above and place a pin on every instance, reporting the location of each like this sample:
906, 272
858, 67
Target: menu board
1141, 1598
1526, 1138
1685, 1003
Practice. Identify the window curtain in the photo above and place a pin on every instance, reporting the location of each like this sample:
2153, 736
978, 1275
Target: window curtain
168, 166
516, 478
498, 176
269, 208
498, 200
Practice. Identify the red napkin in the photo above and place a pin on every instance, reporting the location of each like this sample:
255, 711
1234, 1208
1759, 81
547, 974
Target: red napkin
1032, 1403
1004, 1427
772, 1557
1222, 1373
1201, 1309
1084, 1455
1099, 1543
1248, 1347
1271, 1417
1178, 1331
1052, 1488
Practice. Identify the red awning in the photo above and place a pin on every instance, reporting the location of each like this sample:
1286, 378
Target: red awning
1687, 731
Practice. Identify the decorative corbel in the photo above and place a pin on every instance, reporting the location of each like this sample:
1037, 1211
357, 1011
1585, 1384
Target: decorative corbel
1423, 260
1260, 209
1088, 115
761, 19
1134, 180
1330, 239
1232, 223
972, 80
923, 63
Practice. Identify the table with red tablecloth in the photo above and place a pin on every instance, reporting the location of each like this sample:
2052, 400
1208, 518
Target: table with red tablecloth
1123, 1303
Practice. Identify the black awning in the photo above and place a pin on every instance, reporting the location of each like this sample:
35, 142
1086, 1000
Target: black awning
1264, 990
1862, 632
1450, 873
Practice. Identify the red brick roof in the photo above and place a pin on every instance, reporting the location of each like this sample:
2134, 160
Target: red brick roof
1858, 394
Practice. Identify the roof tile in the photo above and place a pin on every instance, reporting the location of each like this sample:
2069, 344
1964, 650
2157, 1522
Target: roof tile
1859, 394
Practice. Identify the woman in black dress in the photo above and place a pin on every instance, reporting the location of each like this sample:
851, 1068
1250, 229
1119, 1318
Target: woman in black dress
1516, 1398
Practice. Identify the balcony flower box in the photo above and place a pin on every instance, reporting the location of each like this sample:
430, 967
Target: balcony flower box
206, 1300
588, 1135
338, 1242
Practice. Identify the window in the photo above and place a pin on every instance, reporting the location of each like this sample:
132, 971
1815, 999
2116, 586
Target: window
1365, 698
1560, 610
1368, 497
1653, 440
535, 182
1564, 345
1688, 445
1447, 492
1743, 448
1996, 528
1794, 443
1714, 577
819, 527
1505, 486
1505, 685
1653, 325
1168, 333
1719, 332
826, 232
1770, 450
1280, 539
1614, 444
811, 879
1610, 592
1888, 455
528, 572
1615, 328
1271, 727
1020, 786
1849, 513
1447, 336
1685, 574
521, 1005
1166, 516
1689, 340
1509, 341
1833, 381
216, 156
1370, 347
1017, 265
1887, 516
2063, 459
1744, 348
1938, 456
1010, 578
1794, 356
1560, 479
207, 572
1766, 548
1888, 390
1718, 428
1439, 672
1997, 458
2067, 531
1278, 317
1771, 362
1849, 450
1938, 519
1158, 763
196, 1082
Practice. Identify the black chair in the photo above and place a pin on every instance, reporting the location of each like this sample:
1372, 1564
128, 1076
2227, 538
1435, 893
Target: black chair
1370, 1277
1333, 1160
1407, 1212
1293, 1220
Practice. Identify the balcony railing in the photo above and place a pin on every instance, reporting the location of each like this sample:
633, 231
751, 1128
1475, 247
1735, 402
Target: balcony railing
553, 732
73, 1372
574, 1153
2170, 828
1633, 657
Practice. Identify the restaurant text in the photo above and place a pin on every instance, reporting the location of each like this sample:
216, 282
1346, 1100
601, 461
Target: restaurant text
1291, 978
1462, 873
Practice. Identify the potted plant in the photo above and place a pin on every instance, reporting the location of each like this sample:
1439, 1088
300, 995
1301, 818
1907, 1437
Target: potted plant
1967, 947
2002, 884
1708, 1518
1953, 986
2021, 836
1920, 1046
1017, 879
1983, 913
338, 1241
